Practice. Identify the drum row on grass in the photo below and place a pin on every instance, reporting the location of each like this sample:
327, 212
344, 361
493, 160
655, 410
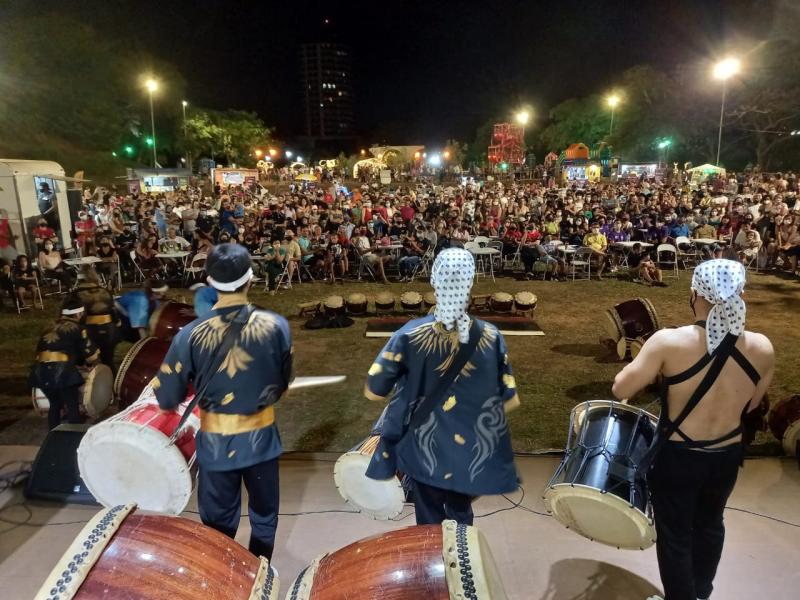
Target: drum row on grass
122, 553
413, 302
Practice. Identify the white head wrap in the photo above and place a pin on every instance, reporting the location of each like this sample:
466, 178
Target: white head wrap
451, 277
721, 282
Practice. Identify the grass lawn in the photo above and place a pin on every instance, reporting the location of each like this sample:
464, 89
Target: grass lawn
553, 372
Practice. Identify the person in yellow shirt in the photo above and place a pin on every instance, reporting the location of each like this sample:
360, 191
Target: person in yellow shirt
599, 245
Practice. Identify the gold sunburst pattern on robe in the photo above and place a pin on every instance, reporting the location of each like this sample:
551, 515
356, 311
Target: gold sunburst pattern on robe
432, 338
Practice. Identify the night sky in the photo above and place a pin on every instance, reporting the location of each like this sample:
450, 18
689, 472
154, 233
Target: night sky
424, 70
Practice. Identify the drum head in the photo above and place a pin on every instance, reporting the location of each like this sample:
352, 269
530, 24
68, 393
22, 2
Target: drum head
97, 390
380, 500
467, 556
622, 348
123, 462
603, 518
40, 402
610, 406
791, 437
613, 325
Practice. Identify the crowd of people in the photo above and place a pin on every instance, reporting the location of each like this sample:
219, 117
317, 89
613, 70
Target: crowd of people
382, 232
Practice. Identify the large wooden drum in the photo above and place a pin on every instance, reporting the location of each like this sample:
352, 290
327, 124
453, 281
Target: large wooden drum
139, 366
631, 319
128, 457
169, 318
501, 302
427, 562
784, 422
124, 555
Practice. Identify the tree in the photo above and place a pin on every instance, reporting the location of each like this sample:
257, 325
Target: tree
232, 133
458, 152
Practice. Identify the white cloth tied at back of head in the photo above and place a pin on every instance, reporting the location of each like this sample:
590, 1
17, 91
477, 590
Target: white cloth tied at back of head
451, 277
721, 282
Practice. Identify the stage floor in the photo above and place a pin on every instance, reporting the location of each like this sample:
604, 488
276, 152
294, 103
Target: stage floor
538, 558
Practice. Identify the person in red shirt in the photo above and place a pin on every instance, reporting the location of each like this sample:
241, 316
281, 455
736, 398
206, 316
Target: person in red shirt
407, 211
43, 233
84, 229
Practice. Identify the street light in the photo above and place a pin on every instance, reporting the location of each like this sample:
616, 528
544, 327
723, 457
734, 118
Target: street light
724, 70
299, 159
258, 153
446, 154
184, 104
612, 101
289, 154
273, 152
522, 117
152, 86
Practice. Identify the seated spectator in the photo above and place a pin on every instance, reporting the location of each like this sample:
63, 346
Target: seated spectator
599, 245
749, 247
24, 277
53, 267
375, 261
293, 253
6, 282
542, 250
789, 241
173, 242
707, 231
335, 256
43, 233
149, 263
273, 264
643, 266
109, 265
415, 248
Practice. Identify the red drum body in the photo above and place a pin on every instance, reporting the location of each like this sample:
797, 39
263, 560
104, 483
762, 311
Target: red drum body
128, 458
123, 554
169, 318
430, 562
138, 367
784, 422
632, 319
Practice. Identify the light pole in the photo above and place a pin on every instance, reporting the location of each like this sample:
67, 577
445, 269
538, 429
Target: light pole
184, 104
612, 102
152, 86
724, 70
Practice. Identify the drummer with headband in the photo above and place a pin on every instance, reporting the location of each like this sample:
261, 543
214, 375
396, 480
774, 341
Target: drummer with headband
449, 384
136, 307
238, 439
62, 348
713, 372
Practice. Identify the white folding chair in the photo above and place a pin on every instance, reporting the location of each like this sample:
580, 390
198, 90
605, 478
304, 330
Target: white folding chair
138, 274
423, 268
581, 264
687, 251
667, 256
481, 240
285, 278
480, 268
196, 267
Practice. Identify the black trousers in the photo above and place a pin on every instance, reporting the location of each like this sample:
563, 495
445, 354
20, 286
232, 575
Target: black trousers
105, 338
219, 495
433, 505
689, 490
60, 397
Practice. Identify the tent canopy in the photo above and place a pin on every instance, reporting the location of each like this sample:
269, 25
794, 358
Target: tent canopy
707, 168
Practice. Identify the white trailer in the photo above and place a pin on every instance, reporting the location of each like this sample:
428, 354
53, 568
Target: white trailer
23, 204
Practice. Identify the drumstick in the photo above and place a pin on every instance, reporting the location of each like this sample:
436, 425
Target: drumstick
302, 382
625, 400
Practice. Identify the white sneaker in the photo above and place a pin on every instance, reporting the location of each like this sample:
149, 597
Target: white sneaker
655, 598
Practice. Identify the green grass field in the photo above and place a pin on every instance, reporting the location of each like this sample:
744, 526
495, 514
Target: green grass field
553, 372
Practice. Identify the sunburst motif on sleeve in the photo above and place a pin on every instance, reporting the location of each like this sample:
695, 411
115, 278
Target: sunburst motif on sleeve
51, 337
259, 327
67, 327
208, 335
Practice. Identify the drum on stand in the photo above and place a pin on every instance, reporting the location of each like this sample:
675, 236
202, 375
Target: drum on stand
429, 300
139, 366
597, 490
435, 562
784, 422
501, 302
169, 318
121, 553
411, 301
631, 319
333, 306
128, 457
384, 302
95, 393
379, 500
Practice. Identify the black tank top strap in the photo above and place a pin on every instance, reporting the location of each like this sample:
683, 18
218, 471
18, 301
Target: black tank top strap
694, 369
746, 365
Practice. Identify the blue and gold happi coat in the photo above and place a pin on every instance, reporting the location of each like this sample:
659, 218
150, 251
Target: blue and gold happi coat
63, 347
237, 411
464, 445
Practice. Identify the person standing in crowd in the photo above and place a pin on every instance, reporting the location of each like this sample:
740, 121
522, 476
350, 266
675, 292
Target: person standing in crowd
457, 445
238, 439
101, 321
60, 351
698, 448
136, 307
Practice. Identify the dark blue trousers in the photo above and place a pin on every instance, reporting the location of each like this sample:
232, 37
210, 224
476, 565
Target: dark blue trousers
219, 495
433, 505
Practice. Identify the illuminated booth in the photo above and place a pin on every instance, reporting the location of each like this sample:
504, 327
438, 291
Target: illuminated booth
574, 165
227, 176
157, 180
32, 191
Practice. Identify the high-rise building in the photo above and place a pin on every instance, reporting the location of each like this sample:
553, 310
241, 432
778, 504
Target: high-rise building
327, 90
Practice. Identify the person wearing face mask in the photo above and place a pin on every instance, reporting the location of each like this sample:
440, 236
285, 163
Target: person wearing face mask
84, 230
713, 372
53, 267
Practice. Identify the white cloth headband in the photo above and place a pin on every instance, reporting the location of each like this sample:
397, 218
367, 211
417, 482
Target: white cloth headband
231, 286
451, 277
71, 311
721, 282
161, 288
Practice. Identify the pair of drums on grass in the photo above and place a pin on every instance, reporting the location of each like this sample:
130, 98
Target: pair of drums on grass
522, 302
629, 324
784, 422
597, 490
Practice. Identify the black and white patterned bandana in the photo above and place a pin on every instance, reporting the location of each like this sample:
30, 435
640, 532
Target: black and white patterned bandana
721, 282
451, 278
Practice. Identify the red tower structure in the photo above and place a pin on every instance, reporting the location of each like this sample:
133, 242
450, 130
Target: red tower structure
508, 144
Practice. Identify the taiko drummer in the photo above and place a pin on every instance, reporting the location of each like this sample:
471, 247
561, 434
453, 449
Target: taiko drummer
445, 425
712, 372
246, 353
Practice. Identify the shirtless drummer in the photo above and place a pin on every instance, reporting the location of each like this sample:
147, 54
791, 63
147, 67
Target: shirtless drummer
713, 373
